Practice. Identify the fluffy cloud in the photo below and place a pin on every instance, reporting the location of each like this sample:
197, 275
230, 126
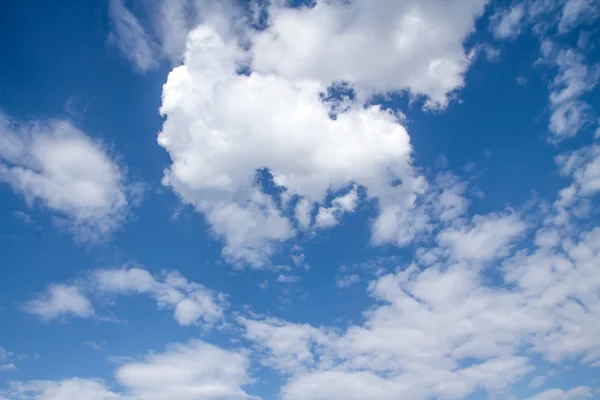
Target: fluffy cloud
487, 237
191, 302
192, 371
445, 332
60, 300
330, 216
443, 329
55, 164
220, 130
223, 124
378, 46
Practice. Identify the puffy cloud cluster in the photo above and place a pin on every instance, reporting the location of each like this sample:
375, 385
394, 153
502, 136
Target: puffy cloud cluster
191, 302
378, 46
473, 311
257, 100
55, 164
444, 331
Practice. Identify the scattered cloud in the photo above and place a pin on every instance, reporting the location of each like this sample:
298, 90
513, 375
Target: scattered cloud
7, 360
485, 239
507, 23
347, 280
192, 303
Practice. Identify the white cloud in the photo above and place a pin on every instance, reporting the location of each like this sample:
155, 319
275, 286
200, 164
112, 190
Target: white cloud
288, 346
347, 280
303, 213
220, 129
57, 165
377, 46
574, 78
191, 371
222, 126
288, 278
446, 330
487, 238
6, 360
191, 302
537, 381
578, 393
330, 216
62, 390
58, 301
131, 38
584, 167
575, 12
507, 23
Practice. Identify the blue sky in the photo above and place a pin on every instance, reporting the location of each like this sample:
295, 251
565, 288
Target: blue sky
210, 200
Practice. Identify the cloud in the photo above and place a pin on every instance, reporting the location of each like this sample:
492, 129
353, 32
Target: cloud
196, 370
288, 347
445, 329
347, 280
328, 217
487, 237
191, 302
58, 301
574, 78
191, 371
576, 12
377, 46
6, 360
507, 23
217, 142
248, 100
578, 393
62, 390
537, 381
131, 38
55, 164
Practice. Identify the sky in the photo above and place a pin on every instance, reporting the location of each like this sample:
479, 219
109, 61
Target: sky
300, 200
